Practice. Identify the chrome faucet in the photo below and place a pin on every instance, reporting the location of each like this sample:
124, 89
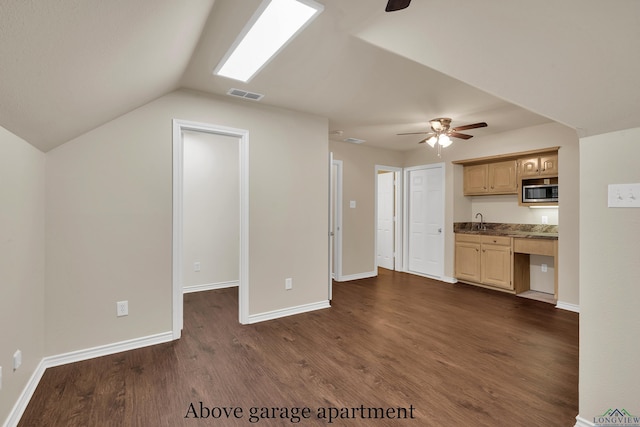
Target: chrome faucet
482, 225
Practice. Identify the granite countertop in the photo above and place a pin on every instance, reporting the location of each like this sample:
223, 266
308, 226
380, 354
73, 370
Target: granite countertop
531, 231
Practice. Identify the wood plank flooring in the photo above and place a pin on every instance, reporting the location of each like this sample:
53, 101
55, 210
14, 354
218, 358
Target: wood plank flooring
449, 355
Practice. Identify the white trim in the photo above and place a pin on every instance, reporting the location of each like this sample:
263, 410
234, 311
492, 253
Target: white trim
337, 207
209, 286
397, 189
445, 279
567, 306
77, 356
358, 276
284, 312
105, 350
16, 412
581, 422
178, 165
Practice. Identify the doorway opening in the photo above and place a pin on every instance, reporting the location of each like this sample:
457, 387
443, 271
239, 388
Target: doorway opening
388, 217
181, 127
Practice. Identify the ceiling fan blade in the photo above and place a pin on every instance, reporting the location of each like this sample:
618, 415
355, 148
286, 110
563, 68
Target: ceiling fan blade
471, 126
413, 133
423, 141
459, 135
394, 5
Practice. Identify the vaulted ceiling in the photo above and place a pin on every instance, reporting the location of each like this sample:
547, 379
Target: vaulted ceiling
68, 66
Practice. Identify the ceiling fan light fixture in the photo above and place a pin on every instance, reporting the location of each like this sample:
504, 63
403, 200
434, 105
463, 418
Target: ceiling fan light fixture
432, 141
444, 140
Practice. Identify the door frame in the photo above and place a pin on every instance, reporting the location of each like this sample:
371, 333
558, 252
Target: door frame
335, 240
405, 230
179, 126
398, 223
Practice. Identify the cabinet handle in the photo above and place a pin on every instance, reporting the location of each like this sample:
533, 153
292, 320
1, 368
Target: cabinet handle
484, 250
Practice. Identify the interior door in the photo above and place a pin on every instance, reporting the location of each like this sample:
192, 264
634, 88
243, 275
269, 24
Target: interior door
385, 236
425, 220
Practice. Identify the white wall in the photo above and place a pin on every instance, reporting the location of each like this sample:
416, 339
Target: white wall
211, 209
109, 218
462, 209
22, 260
609, 277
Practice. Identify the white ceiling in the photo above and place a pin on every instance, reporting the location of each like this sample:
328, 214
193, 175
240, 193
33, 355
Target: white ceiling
70, 65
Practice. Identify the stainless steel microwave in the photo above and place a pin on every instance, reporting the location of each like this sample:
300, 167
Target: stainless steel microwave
540, 193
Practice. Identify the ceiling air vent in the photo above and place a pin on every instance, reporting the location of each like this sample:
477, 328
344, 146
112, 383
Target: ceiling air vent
244, 94
354, 140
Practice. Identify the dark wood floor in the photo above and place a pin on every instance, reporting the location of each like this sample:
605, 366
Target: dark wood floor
459, 355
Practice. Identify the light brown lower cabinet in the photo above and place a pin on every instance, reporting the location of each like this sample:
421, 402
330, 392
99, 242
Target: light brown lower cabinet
484, 260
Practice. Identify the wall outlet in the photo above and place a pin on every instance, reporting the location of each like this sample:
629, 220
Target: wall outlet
122, 308
544, 268
196, 266
17, 359
288, 283
545, 219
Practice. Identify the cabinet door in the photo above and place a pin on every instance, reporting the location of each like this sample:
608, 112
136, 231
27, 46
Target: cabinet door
475, 179
495, 265
468, 261
529, 167
549, 165
502, 177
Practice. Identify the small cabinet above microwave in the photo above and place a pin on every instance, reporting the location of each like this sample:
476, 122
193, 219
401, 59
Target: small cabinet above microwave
508, 173
543, 165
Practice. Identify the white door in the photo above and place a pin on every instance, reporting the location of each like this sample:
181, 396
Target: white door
425, 220
385, 225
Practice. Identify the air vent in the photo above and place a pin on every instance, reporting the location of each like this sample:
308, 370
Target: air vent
244, 94
354, 140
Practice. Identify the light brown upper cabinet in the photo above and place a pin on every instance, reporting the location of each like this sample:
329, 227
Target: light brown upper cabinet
544, 165
491, 178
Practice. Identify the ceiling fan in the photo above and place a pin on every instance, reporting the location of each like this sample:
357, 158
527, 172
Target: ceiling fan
442, 132
394, 5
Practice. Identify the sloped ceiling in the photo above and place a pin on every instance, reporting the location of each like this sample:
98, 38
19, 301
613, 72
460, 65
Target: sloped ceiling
67, 66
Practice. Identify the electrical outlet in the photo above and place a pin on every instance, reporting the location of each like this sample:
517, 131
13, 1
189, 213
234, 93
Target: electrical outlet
288, 283
17, 359
122, 308
196, 266
544, 268
545, 219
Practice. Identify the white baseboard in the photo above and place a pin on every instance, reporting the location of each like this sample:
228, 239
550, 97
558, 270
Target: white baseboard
438, 278
357, 276
276, 314
23, 400
581, 422
77, 356
209, 286
569, 307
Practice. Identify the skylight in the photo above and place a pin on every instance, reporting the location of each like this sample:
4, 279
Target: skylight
275, 23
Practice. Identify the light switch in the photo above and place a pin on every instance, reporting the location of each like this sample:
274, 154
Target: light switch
352, 204
624, 196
